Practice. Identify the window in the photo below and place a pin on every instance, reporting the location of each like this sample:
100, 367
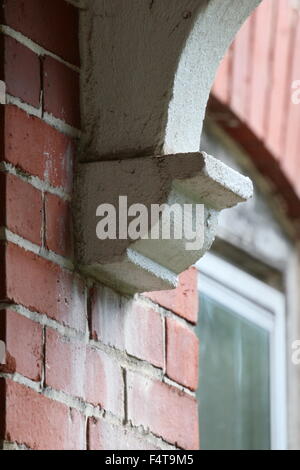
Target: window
242, 387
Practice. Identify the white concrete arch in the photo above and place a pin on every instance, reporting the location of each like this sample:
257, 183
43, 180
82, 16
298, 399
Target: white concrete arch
147, 70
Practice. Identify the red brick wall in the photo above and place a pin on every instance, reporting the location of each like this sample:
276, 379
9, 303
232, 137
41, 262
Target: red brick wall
261, 96
85, 368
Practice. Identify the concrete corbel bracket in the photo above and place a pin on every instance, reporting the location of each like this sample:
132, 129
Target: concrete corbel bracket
159, 215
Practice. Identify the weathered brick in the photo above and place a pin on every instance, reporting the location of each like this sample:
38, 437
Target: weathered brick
127, 325
58, 225
2, 408
3, 284
61, 92
23, 208
64, 364
83, 372
44, 287
107, 314
167, 412
144, 334
104, 382
53, 25
21, 71
182, 354
41, 423
105, 436
38, 149
24, 345
2, 198
184, 300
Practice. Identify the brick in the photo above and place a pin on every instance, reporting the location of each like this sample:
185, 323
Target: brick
281, 69
184, 300
21, 71
41, 423
24, 345
107, 316
23, 208
53, 25
3, 199
58, 225
144, 334
240, 68
261, 43
105, 436
166, 411
290, 130
128, 326
182, 354
84, 372
3, 284
44, 287
65, 364
38, 149
2, 325
61, 92
104, 382
2, 408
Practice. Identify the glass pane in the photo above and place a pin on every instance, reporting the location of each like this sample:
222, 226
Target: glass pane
234, 390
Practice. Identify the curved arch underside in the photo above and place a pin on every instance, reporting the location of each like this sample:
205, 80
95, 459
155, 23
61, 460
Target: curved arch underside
147, 70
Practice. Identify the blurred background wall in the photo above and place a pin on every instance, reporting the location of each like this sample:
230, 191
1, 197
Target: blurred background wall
252, 124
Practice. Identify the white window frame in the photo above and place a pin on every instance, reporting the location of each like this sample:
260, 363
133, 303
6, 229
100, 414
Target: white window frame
263, 305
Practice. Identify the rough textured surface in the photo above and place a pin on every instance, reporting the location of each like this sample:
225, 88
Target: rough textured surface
104, 436
148, 264
85, 351
184, 299
45, 23
27, 85
85, 373
180, 427
126, 324
147, 69
37, 148
61, 91
182, 354
24, 345
23, 208
45, 425
58, 217
48, 289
